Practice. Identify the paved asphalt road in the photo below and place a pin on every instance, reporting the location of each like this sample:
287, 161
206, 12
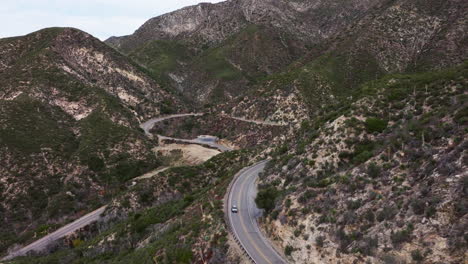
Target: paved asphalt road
42, 243
146, 126
244, 223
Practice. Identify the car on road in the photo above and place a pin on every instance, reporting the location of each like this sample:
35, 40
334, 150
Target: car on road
234, 209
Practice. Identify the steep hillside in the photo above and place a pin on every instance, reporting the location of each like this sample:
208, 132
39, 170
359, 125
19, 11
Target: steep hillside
229, 47
176, 217
69, 128
205, 25
369, 164
234, 43
381, 178
222, 72
395, 37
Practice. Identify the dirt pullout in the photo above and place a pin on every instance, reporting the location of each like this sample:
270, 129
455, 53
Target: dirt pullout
240, 133
185, 154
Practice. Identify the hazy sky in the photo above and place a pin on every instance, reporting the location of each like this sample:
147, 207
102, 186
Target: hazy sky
101, 18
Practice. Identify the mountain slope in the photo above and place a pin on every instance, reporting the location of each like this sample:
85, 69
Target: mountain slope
380, 178
176, 217
233, 43
395, 37
70, 114
369, 167
231, 46
210, 24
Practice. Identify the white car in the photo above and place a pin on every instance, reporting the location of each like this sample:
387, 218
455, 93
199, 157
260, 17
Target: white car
234, 209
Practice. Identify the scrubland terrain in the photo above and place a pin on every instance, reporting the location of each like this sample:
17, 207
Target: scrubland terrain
361, 107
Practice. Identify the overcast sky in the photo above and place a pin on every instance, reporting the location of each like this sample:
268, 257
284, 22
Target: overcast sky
101, 18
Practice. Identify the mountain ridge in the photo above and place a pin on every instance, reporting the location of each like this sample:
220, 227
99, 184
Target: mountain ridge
395, 36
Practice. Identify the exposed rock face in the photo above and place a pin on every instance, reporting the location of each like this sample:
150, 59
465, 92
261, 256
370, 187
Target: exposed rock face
209, 24
75, 54
204, 23
388, 36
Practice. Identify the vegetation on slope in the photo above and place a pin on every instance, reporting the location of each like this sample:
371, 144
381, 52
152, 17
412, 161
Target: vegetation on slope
176, 217
161, 57
375, 175
67, 144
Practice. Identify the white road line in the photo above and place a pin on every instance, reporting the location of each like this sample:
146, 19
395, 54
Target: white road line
248, 178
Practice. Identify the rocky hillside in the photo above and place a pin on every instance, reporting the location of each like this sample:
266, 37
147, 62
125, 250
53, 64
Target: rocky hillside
231, 44
381, 178
174, 217
70, 109
370, 165
206, 25
393, 38
367, 178
215, 52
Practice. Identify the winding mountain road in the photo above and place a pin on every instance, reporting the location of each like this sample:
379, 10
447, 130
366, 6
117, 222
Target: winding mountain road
148, 125
242, 193
41, 244
244, 223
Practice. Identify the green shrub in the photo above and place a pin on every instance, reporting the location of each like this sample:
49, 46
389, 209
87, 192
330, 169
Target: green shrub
274, 214
95, 163
282, 150
375, 125
128, 169
77, 242
157, 215
353, 205
373, 170
266, 199
179, 255
297, 232
320, 241
387, 213
369, 215
362, 157
363, 151
416, 255
288, 250
461, 117
402, 235
418, 206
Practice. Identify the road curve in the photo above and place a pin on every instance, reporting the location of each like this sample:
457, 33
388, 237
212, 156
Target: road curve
41, 244
244, 223
148, 125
